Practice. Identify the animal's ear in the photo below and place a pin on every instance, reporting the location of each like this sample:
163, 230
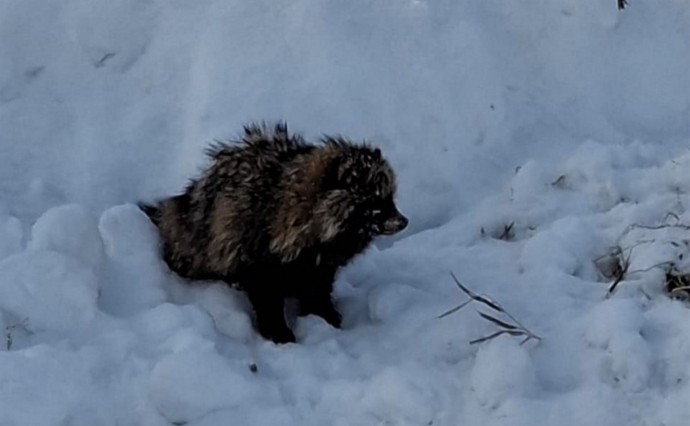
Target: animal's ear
332, 178
377, 153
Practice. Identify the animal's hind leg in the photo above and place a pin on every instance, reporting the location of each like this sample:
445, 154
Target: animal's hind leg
269, 307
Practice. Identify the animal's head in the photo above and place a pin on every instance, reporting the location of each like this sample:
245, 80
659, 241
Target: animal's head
366, 187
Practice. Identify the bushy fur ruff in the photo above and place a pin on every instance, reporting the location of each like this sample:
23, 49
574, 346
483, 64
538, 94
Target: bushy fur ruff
279, 216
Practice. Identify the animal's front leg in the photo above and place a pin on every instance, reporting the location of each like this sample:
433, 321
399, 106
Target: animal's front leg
323, 307
270, 314
315, 298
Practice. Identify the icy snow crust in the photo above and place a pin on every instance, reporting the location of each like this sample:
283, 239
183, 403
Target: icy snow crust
566, 118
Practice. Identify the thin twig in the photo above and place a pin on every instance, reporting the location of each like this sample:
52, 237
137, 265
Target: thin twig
618, 250
658, 265
623, 271
629, 228
9, 338
507, 232
673, 215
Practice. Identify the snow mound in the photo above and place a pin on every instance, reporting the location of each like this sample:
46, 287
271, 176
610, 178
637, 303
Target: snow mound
72, 231
127, 232
187, 385
11, 235
49, 291
502, 370
134, 276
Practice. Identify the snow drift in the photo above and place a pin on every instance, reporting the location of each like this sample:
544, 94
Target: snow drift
561, 122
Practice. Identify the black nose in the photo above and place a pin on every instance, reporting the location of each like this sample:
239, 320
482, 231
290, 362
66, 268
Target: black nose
395, 224
403, 222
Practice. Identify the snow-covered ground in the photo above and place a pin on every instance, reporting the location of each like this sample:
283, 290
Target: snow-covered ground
562, 126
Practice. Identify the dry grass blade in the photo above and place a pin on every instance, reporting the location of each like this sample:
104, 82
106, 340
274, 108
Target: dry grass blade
525, 340
664, 226
507, 232
455, 309
496, 334
622, 272
497, 321
615, 283
8, 338
673, 215
615, 252
658, 265
625, 272
678, 285
677, 225
681, 289
9, 331
489, 337
559, 182
513, 328
490, 303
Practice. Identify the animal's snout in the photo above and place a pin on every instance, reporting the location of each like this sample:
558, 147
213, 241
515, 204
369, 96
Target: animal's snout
395, 224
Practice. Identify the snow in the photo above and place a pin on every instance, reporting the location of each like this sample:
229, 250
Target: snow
187, 385
502, 370
52, 291
530, 138
69, 230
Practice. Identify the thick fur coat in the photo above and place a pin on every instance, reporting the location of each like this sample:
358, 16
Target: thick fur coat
279, 217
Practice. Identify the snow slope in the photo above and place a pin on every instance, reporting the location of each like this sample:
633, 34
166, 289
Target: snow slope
568, 119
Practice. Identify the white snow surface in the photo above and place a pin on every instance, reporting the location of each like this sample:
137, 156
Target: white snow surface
568, 119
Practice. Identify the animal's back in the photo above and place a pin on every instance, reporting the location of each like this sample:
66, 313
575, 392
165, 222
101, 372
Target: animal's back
229, 207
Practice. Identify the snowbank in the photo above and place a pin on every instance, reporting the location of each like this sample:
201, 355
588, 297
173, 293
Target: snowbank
530, 141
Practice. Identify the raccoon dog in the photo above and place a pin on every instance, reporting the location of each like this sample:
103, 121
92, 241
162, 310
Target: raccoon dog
279, 216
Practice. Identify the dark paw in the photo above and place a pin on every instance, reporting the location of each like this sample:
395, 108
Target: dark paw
328, 313
332, 317
278, 335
